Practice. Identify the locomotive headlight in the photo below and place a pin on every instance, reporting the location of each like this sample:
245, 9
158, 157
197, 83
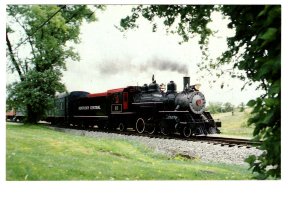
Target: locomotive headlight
193, 100
197, 102
197, 87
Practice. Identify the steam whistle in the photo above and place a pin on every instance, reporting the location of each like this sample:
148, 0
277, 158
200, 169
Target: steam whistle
153, 81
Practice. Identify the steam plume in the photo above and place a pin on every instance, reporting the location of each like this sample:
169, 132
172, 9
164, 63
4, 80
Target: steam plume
165, 65
124, 65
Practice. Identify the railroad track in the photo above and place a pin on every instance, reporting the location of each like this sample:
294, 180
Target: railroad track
223, 141
232, 141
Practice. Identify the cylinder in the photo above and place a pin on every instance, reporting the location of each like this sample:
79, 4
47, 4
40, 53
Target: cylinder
186, 82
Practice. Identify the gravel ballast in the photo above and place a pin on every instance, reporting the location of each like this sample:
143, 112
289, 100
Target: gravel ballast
171, 147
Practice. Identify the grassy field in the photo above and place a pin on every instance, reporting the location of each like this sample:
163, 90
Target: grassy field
38, 153
235, 125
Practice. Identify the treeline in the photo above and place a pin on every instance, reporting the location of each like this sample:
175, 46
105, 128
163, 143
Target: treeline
219, 107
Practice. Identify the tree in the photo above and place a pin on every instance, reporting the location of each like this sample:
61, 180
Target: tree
228, 107
38, 39
214, 107
242, 107
255, 49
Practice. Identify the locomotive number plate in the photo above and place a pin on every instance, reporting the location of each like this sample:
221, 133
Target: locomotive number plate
116, 108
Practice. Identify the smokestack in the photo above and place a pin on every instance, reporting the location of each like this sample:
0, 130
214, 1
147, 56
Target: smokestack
186, 82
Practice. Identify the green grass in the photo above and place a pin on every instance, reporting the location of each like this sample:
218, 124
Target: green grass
236, 124
38, 153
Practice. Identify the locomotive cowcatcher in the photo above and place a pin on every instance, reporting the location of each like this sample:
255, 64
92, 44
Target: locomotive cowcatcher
147, 109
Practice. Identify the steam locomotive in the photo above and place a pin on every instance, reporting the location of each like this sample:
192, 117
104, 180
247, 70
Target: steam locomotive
147, 109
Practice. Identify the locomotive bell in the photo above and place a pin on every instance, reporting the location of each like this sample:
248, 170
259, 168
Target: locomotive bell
162, 87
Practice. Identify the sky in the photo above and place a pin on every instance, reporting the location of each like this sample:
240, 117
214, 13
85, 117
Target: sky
112, 59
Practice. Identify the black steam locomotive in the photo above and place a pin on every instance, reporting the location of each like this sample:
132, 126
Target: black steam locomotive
147, 109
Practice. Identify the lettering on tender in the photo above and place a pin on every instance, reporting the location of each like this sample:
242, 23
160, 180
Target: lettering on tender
89, 108
83, 108
95, 108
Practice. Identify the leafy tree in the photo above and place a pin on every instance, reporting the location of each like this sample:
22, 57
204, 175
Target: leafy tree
242, 107
228, 107
38, 39
218, 107
214, 107
35, 92
255, 49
